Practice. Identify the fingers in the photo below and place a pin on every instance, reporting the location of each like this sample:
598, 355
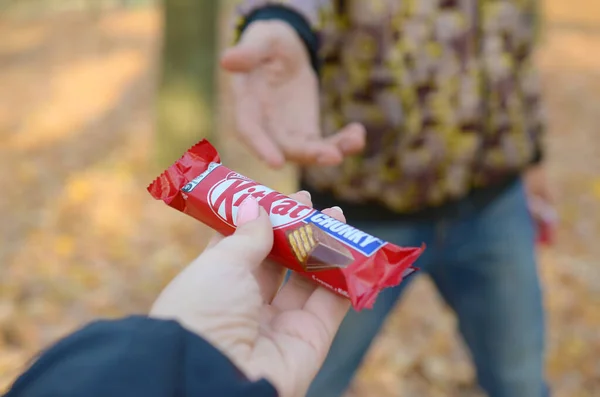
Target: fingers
261, 144
297, 291
311, 152
329, 307
335, 212
294, 293
214, 240
241, 58
537, 186
349, 140
253, 48
270, 274
252, 241
329, 151
248, 119
250, 53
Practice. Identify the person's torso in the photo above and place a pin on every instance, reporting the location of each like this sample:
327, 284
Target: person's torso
445, 89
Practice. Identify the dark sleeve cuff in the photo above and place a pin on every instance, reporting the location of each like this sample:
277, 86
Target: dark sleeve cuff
296, 21
135, 356
538, 156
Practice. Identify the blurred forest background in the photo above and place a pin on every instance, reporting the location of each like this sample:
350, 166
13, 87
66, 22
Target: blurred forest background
88, 116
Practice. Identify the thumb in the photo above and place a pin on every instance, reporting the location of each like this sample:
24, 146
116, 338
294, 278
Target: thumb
253, 48
252, 241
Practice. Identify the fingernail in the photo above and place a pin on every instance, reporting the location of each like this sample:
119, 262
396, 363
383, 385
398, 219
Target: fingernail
337, 209
304, 192
247, 211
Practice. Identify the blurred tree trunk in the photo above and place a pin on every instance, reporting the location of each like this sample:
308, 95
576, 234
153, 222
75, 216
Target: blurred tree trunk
187, 89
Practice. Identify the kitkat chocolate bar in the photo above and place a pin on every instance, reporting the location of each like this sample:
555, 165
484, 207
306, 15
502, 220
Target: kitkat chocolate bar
338, 256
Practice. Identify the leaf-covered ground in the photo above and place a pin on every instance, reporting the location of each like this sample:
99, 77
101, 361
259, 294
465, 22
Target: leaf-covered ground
80, 238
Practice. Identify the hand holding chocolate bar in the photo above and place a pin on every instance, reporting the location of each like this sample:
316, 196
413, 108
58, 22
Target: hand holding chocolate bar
283, 335
230, 296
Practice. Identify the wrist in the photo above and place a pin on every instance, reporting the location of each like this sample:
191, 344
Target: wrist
299, 24
538, 157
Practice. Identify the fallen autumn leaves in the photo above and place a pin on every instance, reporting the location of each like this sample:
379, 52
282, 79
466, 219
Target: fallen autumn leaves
82, 239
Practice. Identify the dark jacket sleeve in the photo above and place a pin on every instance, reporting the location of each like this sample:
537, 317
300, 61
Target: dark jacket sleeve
135, 356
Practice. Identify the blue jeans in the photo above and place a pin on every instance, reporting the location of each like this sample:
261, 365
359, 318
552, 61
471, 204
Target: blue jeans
483, 264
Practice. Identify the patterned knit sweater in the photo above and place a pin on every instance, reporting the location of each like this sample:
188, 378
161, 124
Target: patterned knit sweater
446, 89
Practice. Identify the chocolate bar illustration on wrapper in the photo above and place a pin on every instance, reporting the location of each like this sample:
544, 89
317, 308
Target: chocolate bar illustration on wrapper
316, 250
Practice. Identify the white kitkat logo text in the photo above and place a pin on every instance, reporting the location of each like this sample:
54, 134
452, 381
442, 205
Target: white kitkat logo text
226, 196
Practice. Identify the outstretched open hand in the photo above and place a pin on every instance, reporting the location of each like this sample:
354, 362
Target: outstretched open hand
276, 96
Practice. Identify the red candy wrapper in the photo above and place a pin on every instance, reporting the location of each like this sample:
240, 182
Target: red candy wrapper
338, 256
546, 219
